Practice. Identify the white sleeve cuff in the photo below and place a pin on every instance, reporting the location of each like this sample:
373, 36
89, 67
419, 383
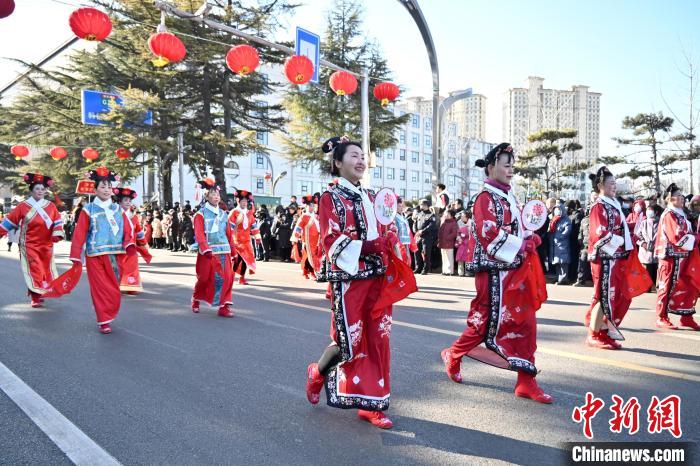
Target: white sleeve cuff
611, 247
507, 248
345, 254
687, 242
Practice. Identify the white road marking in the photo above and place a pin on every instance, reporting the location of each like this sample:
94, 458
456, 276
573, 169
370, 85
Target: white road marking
72, 441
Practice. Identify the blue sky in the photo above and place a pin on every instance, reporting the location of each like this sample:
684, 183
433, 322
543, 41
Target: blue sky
628, 50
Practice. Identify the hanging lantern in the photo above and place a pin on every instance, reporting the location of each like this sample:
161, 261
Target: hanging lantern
91, 154
343, 83
90, 24
58, 153
167, 48
122, 153
386, 92
6, 8
298, 69
19, 151
242, 59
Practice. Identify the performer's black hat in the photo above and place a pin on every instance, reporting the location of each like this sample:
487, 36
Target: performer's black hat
243, 194
599, 176
336, 146
102, 174
33, 179
492, 156
311, 198
672, 188
121, 193
207, 184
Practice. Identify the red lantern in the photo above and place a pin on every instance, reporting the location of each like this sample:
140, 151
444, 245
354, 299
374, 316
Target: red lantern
19, 151
167, 48
91, 154
122, 153
343, 83
6, 8
58, 153
298, 69
242, 59
386, 92
90, 24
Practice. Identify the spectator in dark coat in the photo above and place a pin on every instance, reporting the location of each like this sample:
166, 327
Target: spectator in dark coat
281, 230
425, 231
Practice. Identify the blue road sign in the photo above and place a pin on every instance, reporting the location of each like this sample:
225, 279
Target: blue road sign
96, 104
309, 45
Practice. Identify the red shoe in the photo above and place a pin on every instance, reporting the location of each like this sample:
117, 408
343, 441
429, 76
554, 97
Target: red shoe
225, 311
452, 365
527, 388
195, 306
376, 418
597, 340
607, 339
132, 293
314, 383
664, 322
36, 302
242, 281
688, 321
105, 329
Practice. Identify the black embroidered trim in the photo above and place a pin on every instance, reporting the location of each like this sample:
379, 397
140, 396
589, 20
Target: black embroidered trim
481, 261
604, 294
675, 273
597, 253
343, 342
340, 248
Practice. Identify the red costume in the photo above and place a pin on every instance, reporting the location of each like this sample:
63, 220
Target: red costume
105, 233
244, 227
359, 376
306, 230
510, 289
676, 249
215, 246
39, 225
130, 281
617, 274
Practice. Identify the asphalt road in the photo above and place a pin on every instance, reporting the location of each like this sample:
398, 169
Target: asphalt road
171, 387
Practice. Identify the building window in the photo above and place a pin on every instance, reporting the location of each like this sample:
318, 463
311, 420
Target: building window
415, 139
402, 193
402, 137
428, 159
414, 194
259, 161
306, 187
451, 162
402, 174
451, 180
378, 172
415, 120
261, 137
306, 166
378, 153
402, 154
452, 148
414, 176
428, 124
415, 158
426, 178
259, 184
389, 173
390, 154
428, 142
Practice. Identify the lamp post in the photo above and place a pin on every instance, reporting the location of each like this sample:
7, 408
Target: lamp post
279, 177
417, 15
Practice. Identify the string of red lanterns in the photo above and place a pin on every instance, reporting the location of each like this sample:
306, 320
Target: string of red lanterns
58, 153
90, 154
386, 93
6, 8
90, 24
242, 59
19, 151
299, 69
343, 83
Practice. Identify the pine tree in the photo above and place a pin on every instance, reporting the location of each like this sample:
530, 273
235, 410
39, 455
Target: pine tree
317, 113
199, 94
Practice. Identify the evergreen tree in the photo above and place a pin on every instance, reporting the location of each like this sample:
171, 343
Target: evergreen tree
199, 95
317, 113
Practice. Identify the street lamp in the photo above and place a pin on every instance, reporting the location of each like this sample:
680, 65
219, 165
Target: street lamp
417, 15
279, 177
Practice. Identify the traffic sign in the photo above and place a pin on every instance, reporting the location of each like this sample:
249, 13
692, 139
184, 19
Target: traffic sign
95, 104
309, 45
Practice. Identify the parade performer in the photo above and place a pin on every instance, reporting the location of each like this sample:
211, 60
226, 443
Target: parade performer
215, 247
676, 249
39, 225
104, 230
618, 276
355, 367
404, 233
509, 281
306, 232
130, 282
244, 226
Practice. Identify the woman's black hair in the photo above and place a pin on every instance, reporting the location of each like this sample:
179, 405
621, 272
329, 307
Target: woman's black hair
599, 177
337, 147
494, 154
